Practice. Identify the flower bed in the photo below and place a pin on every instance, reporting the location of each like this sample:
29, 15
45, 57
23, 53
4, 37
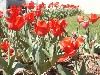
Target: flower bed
37, 41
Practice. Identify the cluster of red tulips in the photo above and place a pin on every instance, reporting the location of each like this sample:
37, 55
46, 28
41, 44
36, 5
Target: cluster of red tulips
57, 5
17, 20
5, 46
85, 23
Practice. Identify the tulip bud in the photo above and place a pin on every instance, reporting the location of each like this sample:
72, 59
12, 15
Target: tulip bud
74, 34
85, 24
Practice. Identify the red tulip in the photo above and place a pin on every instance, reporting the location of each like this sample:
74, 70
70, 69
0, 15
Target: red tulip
56, 4
29, 5
11, 52
15, 23
1, 14
79, 42
69, 46
62, 58
80, 18
4, 46
38, 13
50, 5
42, 5
41, 27
58, 26
85, 24
93, 18
14, 11
29, 17
92, 43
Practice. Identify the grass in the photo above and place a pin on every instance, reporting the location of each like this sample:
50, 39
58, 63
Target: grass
73, 24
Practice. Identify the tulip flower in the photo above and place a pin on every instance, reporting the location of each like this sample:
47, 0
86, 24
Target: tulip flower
1, 14
93, 18
14, 11
56, 4
41, 27
38, 13
11, 52
85, 24
4, 46
29, 17
69, 46
15, 23
42, 5
57, 26
80, 18
50, 5
29, 5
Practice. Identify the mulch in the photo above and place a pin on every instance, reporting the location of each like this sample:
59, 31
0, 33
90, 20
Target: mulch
92, 65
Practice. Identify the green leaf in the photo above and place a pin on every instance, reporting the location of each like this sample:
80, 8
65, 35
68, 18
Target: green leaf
3, 64
40, 56
95, 38
46, 53
18, 65
37, 56
0, 52
26, 57
24, 73
83, 69
34, 69
25, 44
43, 67
1, 31
11, 62
51, 50
62, 71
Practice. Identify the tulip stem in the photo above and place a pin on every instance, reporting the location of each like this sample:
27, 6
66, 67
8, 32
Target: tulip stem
9, 48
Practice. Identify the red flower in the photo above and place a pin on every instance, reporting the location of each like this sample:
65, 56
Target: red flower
80, 18
1, 14
29, 5
93, 18
29, 17
92, 43
42, 5
79, 42
4, 46
38, 13
62, 58
58, 26
50, 5
63, 6
15, 23
85, 24
14, 11
56, 4
11, 52
69, 46
41, 27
